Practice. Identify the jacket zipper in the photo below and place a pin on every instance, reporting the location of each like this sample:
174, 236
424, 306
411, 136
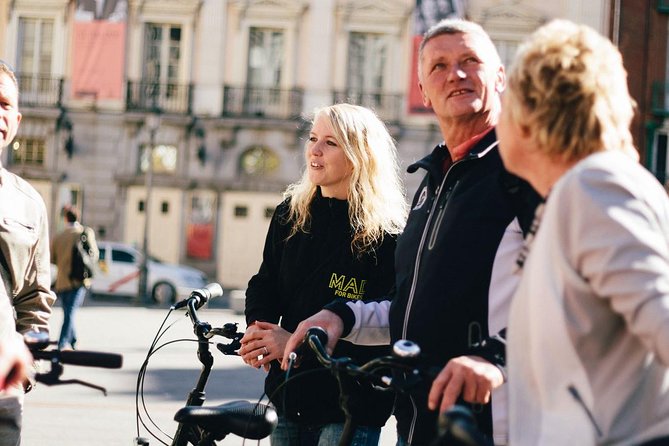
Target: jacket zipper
440, 216
418, 255
412, 291
577, 396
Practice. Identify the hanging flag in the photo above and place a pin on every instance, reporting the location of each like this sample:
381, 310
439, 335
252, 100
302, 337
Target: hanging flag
99, 49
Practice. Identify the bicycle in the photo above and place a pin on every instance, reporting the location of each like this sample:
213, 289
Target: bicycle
198, 424
38, 342
456, 426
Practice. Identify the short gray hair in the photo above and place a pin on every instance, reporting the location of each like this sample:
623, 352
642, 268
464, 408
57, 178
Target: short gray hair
455, 26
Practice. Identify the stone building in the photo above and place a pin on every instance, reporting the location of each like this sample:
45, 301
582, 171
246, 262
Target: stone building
203, 102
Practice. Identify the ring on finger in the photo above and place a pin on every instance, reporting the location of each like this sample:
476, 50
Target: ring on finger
264, 349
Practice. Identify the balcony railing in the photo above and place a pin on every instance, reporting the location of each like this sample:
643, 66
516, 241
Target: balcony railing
387, 106
660, 99
38, 90
262, 102
163, 97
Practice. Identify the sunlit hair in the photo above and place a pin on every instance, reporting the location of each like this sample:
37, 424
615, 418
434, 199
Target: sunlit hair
457, 26
376, 201
6, 69
568, 86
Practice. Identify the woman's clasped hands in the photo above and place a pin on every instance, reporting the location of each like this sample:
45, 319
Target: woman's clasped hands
263, 343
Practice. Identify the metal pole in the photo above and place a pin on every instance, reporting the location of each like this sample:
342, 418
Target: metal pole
143, 293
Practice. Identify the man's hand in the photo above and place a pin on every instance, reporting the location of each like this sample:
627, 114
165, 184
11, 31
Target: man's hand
327, 320
262, 343
470, 376
15, 362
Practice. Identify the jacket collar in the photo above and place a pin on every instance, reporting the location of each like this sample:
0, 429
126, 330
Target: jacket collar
433, 162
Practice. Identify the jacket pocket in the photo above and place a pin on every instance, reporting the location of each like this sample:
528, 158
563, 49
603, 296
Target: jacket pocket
17, 242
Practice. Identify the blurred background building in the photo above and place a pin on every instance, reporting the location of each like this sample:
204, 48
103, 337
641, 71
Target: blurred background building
205, 103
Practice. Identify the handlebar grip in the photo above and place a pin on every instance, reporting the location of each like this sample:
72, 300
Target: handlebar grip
319, 333
82, 358
210, 291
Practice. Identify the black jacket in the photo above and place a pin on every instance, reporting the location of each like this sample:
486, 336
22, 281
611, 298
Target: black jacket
444, 261
298, 276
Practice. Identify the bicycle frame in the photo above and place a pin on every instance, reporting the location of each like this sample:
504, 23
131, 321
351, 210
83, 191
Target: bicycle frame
196, 397
204, 425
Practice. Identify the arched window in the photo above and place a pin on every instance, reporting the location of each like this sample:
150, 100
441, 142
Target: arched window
258, 161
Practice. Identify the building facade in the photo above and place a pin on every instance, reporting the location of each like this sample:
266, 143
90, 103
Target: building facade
205, 104
640, 29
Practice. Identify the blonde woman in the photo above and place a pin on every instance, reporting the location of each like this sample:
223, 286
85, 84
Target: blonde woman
588, 336
333, 237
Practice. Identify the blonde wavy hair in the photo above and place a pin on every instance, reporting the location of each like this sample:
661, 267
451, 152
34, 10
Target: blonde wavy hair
376, 200
567, 84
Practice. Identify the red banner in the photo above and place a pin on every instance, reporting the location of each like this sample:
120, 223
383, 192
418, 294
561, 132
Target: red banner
98, 53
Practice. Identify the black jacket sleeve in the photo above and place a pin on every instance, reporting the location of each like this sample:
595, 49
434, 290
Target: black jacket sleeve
262, 300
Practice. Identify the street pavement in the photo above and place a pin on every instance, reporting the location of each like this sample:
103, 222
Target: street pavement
73, 415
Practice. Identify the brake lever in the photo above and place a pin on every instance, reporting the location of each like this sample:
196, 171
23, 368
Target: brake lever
231, 348
51, 379
229, 331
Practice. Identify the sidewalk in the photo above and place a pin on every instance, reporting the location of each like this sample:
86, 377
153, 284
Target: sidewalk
73, 415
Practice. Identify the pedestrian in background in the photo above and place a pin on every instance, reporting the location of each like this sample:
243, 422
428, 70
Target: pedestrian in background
588, 340
334, 236
71, 287
24, 260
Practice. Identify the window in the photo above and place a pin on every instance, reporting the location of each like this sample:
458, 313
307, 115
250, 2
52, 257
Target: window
162, 56
164, 207
140, 206
259, 161
265, 57
663, 6
28, 151
241, 211
34, 58
366, 62
34, 52
658, 163
506, 49
269, 212
164, 159
122, 256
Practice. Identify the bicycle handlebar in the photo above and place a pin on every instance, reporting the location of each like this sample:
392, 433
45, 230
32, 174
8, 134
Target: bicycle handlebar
404, 358
36, 342
82, 358
200, 296
457, 425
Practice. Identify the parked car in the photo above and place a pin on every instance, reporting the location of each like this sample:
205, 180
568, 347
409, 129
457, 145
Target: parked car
118, 274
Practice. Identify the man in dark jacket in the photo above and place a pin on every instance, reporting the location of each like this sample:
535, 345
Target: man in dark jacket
454, 262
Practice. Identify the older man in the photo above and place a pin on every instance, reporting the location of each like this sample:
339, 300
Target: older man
454, 261
24, 256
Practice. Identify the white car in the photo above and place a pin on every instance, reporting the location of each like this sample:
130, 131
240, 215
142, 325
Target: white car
118, 274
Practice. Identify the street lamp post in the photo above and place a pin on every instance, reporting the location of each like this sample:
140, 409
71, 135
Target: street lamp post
152, 123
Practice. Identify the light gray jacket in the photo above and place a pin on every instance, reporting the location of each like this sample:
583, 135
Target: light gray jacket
588, 335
